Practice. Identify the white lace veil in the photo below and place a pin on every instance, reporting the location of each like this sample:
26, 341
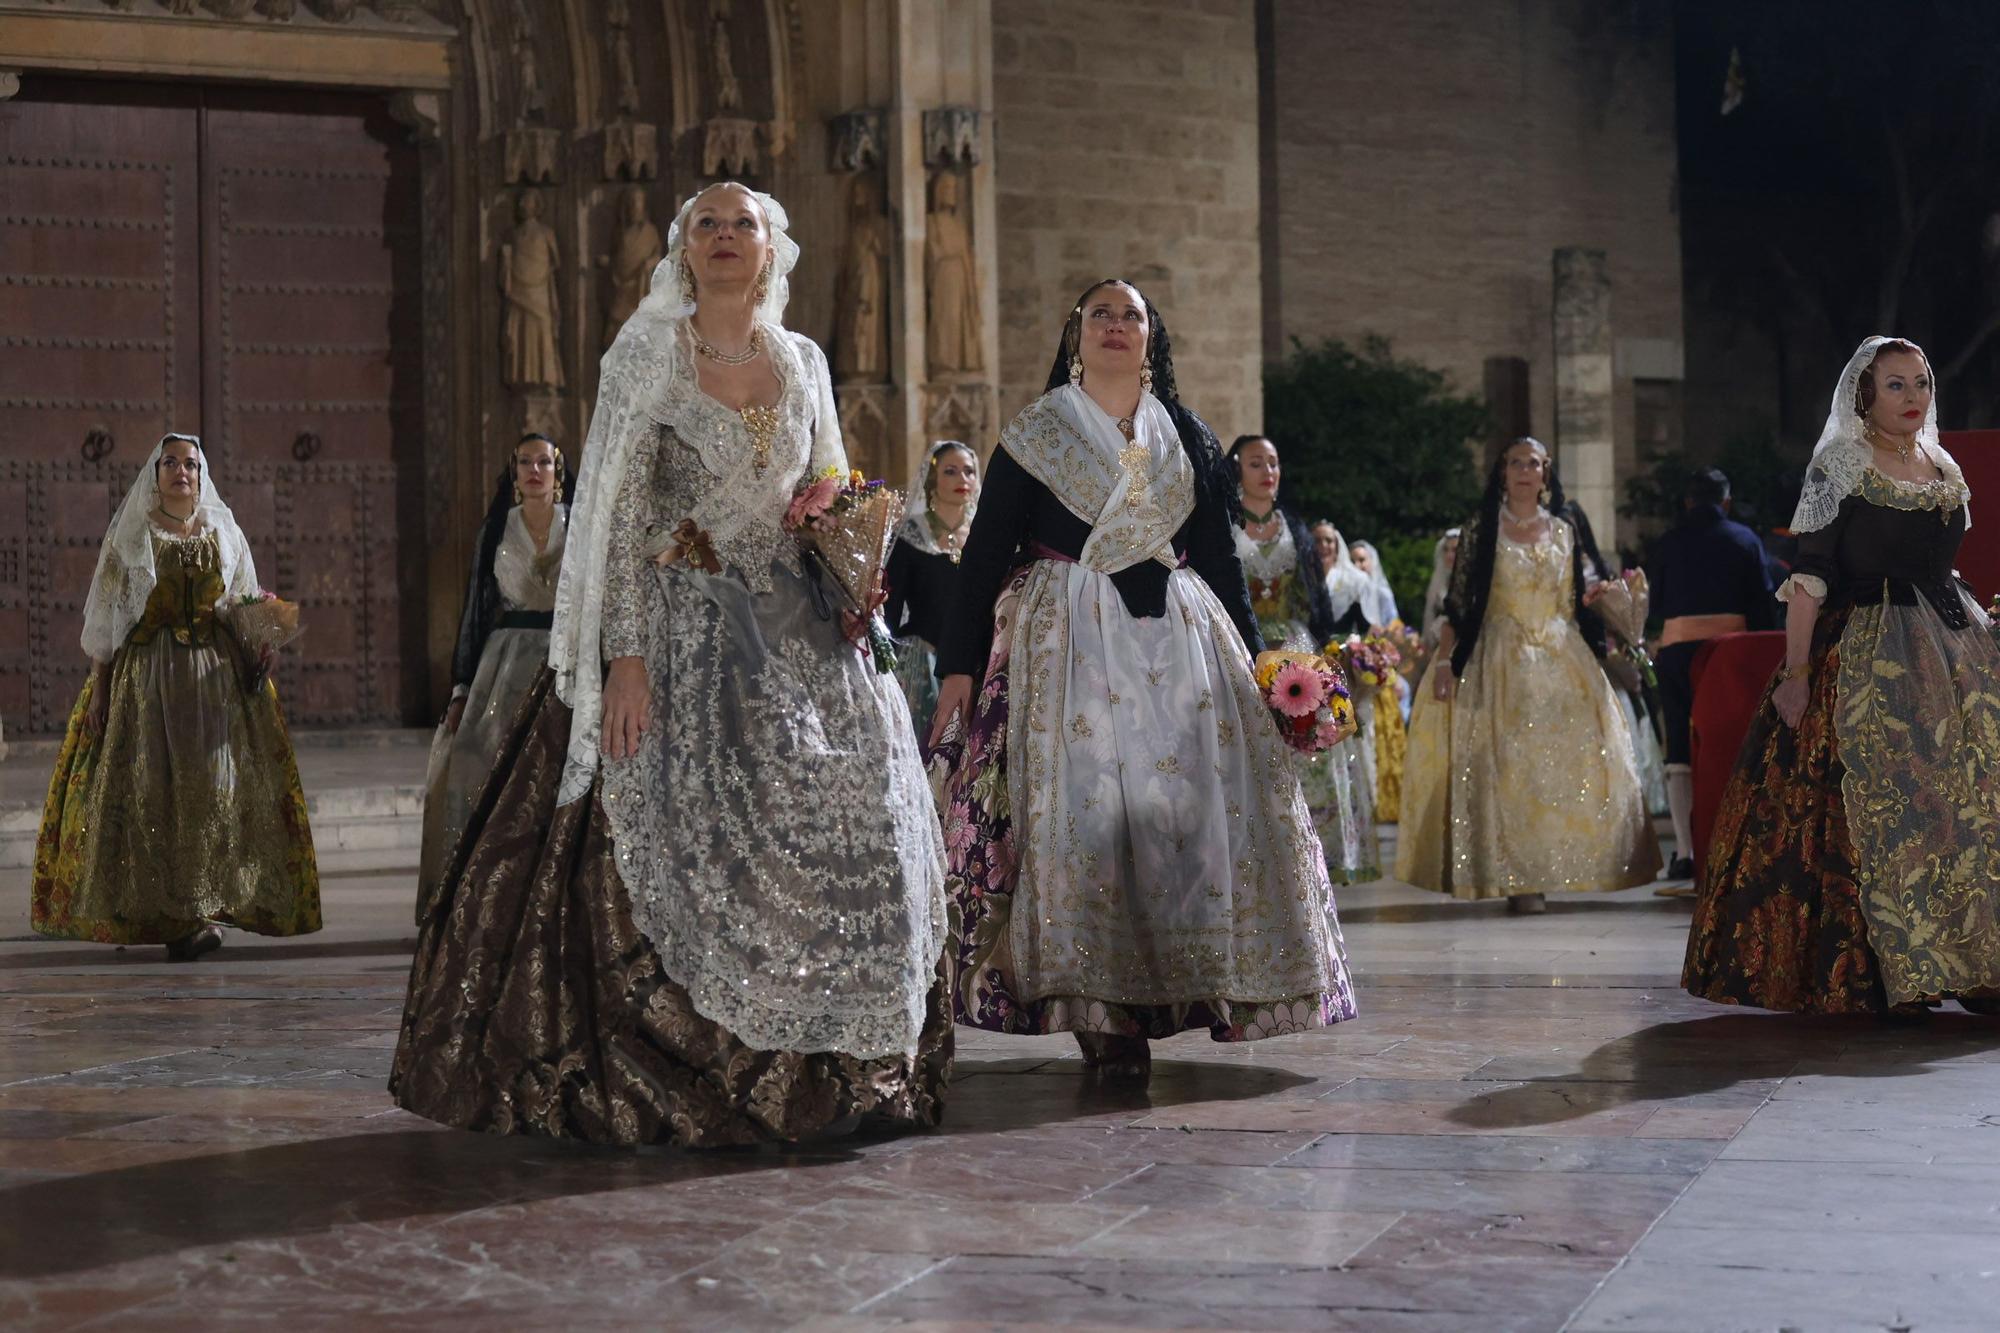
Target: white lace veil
1345, 583
1379, 604
125, 573
1843, 453
1440, 583
915, 527
632, 380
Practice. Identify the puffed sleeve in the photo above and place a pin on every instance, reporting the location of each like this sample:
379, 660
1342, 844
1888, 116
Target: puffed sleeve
1006, 501
1816, 570
632, 527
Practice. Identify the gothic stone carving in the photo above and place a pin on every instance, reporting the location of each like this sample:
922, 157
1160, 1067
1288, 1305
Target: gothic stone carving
529, 264
951, 136
860, 345
632, 260
857, 141
952, 327
631, 151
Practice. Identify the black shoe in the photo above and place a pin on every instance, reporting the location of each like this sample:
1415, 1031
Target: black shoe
192, 946
1986, 1006
1681, 867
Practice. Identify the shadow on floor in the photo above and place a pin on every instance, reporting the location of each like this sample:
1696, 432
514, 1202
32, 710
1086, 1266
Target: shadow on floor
78, 1223
236, 948
1707, 1055
992, 1095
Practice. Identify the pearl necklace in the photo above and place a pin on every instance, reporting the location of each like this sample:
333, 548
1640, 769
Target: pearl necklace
720, 357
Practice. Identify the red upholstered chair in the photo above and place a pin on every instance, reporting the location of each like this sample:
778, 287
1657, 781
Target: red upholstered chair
1729, 674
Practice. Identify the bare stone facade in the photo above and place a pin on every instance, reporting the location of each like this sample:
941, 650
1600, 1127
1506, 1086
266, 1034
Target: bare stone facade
1431, 157
1125, 144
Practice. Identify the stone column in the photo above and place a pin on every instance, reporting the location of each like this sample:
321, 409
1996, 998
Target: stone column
1585, 447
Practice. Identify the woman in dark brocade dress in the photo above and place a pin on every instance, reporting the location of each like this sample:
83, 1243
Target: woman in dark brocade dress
1855, 863
731, 929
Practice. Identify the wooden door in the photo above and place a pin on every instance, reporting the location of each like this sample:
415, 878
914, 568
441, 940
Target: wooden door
238, 265
310, 360
100, 354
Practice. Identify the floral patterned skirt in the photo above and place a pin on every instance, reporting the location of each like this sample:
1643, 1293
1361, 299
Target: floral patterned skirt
186, 807
1855, 861
536, 1006
982, 880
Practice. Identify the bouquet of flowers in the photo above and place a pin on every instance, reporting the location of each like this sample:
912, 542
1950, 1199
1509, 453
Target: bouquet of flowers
262, 620
843, 522
1409, 645
1370, 659
1624, 604
1307, 698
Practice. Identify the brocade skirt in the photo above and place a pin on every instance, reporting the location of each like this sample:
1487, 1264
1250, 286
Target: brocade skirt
1855, 861
536, 1006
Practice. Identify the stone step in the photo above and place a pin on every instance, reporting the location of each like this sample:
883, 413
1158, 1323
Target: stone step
364, 793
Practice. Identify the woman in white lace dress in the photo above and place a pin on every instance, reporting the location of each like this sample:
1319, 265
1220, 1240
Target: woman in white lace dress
704, 902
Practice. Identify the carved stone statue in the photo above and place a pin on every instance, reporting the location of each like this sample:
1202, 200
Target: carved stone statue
618, 18
631, 261
728, 92
528, 267
951, 280
860, 345
534, 101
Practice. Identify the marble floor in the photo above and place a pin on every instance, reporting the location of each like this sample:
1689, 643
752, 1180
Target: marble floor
1530, 1127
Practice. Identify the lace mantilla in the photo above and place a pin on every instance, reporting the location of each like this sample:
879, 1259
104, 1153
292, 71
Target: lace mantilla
635, 374
1843, 458
126, 573
775, 831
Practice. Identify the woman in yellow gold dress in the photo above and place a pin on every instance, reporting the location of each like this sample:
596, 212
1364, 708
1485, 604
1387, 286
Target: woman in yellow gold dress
1520, 777
175, 803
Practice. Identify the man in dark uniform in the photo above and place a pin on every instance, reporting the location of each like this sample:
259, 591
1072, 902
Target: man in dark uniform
1708, 578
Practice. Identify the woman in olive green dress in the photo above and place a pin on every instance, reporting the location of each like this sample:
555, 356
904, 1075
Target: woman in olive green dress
175, 805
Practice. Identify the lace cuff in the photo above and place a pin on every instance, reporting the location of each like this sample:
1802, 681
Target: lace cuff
1811, 585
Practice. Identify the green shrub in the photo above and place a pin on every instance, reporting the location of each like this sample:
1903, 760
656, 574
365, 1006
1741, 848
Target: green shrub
1380, 446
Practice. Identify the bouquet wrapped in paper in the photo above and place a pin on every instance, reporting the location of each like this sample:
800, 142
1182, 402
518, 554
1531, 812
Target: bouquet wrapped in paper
1308, 699
1623, 605
846, 522
263, 620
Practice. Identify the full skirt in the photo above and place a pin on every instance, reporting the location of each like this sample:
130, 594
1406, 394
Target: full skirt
186, 807
1855, 862
1100, 874
1525, 782
462, 760
537, 1006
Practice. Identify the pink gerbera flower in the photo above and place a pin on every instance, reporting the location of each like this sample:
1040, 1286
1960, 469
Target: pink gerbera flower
1297, 690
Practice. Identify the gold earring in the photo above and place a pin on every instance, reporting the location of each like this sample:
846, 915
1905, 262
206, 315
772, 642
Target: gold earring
763, 288
1076, 372
687, 282
519, 499
1146, 378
